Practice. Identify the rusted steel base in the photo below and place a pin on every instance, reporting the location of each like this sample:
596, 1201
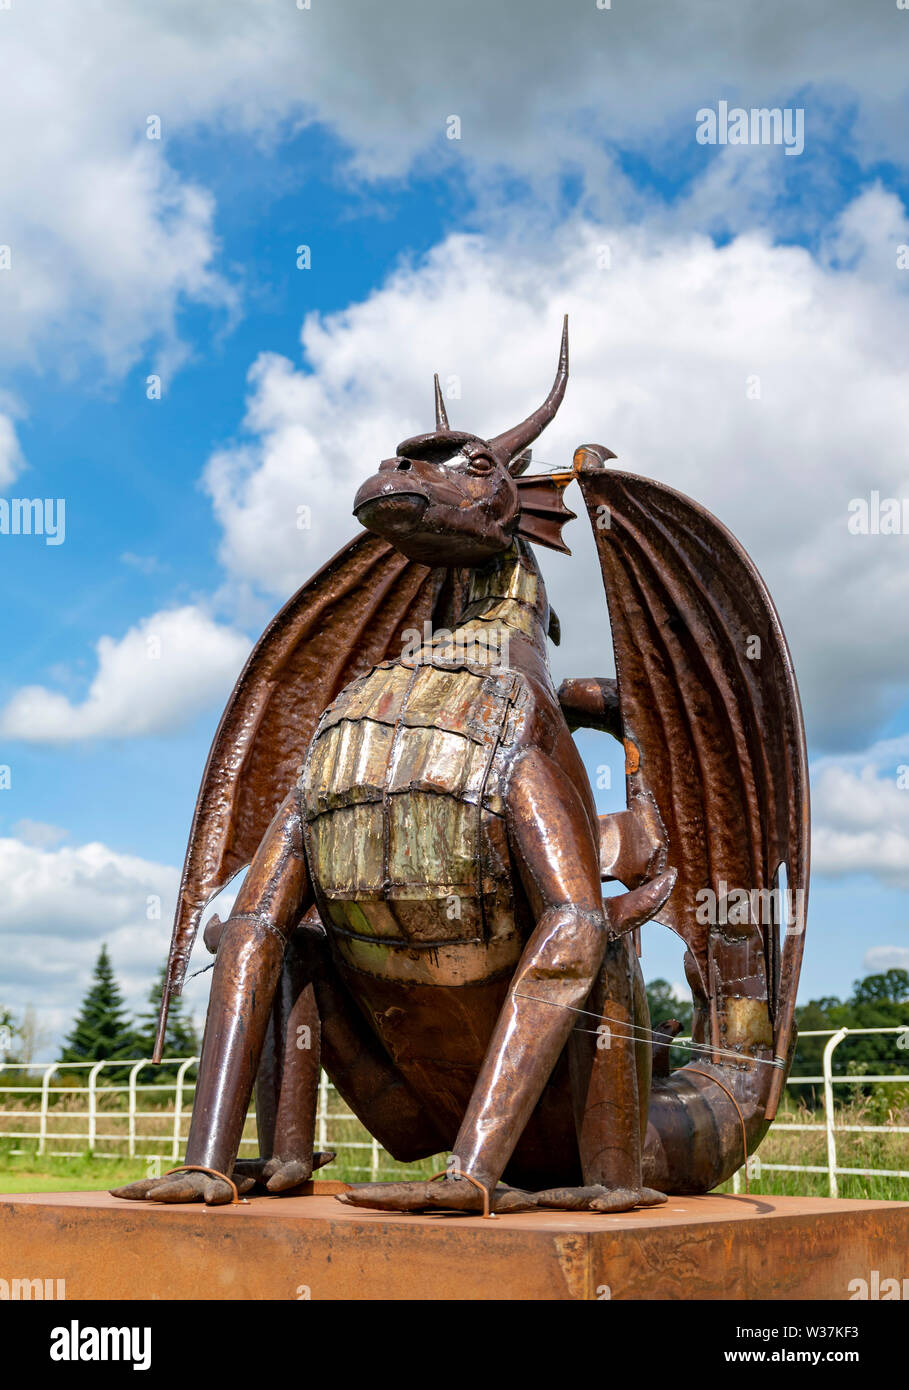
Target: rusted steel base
311, 1246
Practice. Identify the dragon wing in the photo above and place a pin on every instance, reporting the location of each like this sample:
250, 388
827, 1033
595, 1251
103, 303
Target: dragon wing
713, 735
347, 618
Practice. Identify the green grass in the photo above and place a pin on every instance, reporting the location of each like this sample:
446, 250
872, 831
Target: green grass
88, 1175
885, 1105
29, 1173
815, 1185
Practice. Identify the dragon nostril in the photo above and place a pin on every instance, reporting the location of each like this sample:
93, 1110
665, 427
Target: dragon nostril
404, 465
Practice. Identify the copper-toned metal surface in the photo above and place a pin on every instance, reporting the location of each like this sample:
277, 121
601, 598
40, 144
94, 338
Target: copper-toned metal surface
424, 900
712, 1248
711, 715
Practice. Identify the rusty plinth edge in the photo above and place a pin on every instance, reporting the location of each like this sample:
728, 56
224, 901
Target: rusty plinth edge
312, 1247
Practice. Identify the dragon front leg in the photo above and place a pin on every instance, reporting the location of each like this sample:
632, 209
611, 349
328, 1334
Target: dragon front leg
577, 947
248, 968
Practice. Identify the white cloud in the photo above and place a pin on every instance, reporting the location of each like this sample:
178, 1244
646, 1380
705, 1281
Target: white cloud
883, 853
860, 813
60, 905
152, 680
78, 891
109, 237
662, 346
881, 958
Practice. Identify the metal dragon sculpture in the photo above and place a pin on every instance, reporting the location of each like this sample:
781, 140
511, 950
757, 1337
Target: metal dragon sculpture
423, 913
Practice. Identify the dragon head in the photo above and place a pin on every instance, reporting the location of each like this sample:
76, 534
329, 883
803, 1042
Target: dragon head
453, 499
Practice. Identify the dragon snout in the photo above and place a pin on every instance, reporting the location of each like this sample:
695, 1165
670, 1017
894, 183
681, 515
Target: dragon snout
391, 503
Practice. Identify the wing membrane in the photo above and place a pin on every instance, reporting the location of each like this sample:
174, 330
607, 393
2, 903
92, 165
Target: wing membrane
711, 716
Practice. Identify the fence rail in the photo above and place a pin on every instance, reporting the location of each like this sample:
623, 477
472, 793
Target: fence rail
835, 1036
171, 1137
176, 1121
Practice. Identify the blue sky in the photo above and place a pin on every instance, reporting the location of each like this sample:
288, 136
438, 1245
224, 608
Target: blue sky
280, 386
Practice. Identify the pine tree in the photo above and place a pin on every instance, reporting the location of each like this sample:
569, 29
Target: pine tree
180, 1039
101, 1029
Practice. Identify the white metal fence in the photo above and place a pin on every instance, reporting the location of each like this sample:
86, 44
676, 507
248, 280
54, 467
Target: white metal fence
833, 1170
171, 1125
168, 1134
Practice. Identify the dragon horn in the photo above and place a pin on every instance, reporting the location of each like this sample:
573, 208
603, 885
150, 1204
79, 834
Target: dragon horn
504, 447
441, 415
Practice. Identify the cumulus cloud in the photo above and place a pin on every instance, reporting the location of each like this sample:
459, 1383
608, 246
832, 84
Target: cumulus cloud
60, 905
881, 958
108, 235
860, 810
763, 381
152, 680
83, 890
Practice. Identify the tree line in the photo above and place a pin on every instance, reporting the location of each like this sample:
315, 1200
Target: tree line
877, 1001
103, 1030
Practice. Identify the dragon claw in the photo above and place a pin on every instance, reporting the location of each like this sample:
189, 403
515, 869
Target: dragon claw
459, 1195
277, 1174
178, 1188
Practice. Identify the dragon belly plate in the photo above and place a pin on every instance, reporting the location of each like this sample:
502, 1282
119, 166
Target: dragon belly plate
404, 822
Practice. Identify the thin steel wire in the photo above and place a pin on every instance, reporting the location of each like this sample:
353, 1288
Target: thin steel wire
650, 1034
